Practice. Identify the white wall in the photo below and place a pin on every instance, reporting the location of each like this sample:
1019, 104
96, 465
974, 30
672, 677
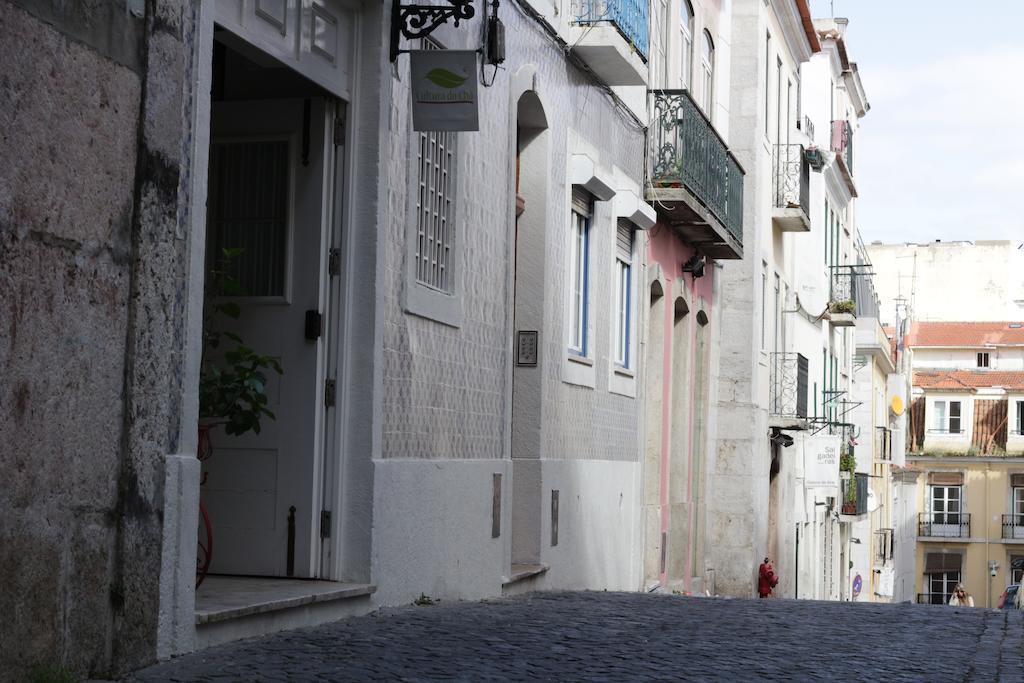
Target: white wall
979, 281
967, 359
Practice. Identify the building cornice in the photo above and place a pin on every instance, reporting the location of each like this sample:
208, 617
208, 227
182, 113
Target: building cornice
797, 28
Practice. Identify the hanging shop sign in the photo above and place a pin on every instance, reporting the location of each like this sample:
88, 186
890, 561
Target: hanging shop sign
444, 90
821, 462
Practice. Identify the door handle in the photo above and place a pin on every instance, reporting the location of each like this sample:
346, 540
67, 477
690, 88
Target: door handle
314, 325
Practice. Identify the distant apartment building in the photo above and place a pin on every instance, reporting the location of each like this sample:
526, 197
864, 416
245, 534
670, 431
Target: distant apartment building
960, 280
967, 456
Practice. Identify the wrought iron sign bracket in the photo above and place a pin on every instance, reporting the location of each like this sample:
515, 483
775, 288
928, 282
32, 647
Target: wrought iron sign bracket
419, 21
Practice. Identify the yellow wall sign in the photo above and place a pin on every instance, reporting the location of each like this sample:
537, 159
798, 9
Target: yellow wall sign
896, 405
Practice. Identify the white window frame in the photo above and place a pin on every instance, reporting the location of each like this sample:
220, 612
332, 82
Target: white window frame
623, 347
1019, 416
948, 582
686, 43
707, 65
622, 376
951, 517
984, 359
580, 228
943, 416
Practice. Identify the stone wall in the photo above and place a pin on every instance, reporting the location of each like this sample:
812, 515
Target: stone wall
92, 275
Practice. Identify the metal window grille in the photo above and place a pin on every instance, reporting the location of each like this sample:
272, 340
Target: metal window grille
435, 205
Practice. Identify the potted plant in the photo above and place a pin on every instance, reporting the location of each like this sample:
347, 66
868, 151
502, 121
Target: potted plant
847, 466
233, 376
232, 384
844, 306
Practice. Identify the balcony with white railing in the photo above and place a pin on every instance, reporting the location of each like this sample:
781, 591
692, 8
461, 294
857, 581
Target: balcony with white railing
612, 38
694, 181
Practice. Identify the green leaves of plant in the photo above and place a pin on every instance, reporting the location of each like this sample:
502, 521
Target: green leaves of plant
445, 78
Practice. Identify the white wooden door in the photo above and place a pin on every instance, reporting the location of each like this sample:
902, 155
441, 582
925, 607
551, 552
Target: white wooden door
268, 196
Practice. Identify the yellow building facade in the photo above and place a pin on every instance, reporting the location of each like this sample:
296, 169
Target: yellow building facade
970, 525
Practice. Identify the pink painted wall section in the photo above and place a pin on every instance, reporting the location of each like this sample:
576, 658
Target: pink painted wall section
667, 250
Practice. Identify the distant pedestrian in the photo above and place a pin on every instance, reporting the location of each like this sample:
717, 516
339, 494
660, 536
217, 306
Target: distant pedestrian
766, 579
960, 597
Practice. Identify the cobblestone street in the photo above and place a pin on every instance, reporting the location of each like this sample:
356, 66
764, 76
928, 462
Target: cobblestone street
626, 637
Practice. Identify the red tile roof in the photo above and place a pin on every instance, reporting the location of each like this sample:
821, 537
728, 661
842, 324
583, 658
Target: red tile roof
968, 379
964, 334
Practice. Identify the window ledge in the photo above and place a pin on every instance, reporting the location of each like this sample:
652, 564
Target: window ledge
582, 360
624, 372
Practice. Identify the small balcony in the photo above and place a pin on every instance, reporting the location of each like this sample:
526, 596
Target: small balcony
695, 182
611, 37
884, 443
855, 495
845, 283
944, 525
932, 599
791, 189
788, 387
885, 548
842, 145
1013, 527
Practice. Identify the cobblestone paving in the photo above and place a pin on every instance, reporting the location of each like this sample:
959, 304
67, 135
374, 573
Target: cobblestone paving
629, 637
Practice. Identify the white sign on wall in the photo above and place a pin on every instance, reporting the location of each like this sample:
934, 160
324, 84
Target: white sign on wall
444, 90
821, 462
885, 582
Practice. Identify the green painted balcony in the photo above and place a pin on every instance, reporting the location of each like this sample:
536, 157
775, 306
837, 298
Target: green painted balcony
694, 181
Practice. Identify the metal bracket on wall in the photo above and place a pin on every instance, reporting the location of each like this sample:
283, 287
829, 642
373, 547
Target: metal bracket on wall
419, 21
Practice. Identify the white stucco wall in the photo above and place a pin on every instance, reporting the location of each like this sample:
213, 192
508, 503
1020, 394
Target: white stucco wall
981, 281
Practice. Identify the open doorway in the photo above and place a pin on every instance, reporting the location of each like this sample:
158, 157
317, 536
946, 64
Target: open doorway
269, 232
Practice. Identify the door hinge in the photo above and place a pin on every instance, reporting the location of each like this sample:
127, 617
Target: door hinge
334, 261
330, 393
339, 129
325, 524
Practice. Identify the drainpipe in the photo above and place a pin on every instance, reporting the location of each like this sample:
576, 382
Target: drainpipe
796, 568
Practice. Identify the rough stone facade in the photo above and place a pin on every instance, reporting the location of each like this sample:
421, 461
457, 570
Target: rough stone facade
92, 263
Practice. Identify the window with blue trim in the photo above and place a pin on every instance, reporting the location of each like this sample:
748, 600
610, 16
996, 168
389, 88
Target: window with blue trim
579, 271
623, 292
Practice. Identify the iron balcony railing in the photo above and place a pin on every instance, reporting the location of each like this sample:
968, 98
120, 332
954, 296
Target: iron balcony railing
1013, 526
855, 494
788, 385
932, 599
886, 545
791, 179
686, 151
845, 285
944, 524
628, 16
884, 443
842, 142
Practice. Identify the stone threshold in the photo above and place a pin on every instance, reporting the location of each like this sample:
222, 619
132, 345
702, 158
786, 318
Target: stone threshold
222, 598
521, 572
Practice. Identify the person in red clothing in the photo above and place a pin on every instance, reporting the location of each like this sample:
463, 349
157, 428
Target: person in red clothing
766, 579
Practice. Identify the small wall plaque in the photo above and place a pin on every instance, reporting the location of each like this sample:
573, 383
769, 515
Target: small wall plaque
526, 348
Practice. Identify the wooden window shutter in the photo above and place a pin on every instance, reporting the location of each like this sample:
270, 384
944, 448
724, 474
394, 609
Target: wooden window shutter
940, 563
946, 478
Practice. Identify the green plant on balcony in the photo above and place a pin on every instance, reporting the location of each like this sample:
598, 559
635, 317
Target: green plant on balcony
848, 464
844, 306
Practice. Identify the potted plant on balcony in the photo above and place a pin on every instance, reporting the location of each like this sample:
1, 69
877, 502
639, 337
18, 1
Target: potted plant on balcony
847, 466
844, 306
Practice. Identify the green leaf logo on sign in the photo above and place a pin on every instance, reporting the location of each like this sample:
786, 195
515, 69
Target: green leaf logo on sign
445, 78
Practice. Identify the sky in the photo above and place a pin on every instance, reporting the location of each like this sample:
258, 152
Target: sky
940, 155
